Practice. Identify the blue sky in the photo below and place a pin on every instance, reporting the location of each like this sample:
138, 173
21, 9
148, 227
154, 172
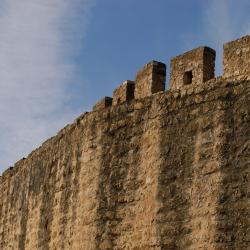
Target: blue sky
58, 57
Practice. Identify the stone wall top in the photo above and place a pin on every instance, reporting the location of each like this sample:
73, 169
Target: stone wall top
185, 96
150, 79
124, 93
236, 58
190, 72
103, 103
193, 67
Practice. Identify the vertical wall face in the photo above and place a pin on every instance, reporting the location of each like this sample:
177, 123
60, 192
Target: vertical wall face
124, 93
234, 193
194, 67
128, 180
236, 58
165, 172
150, 79
44, 196
188, 181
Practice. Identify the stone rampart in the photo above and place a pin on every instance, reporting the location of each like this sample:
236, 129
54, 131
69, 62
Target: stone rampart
152, 169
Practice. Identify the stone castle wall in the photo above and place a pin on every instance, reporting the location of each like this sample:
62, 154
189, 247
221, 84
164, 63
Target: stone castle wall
167, 171
236, 58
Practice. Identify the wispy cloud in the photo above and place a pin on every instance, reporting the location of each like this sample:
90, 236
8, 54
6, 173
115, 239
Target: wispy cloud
38, 41
225, 20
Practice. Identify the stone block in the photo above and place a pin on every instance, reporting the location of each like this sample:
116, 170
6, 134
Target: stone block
193, 67
236, 58
103, 103
124, 93
150, 79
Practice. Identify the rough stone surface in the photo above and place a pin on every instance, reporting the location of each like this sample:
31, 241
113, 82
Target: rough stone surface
103, 103
236, 58
197, 64
124, 93
150, 79
170, 171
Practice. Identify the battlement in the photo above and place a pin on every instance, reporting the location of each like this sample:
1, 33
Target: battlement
148, 169
195, 66
189, 69
125, 92
103, 103
236, 58
150, 79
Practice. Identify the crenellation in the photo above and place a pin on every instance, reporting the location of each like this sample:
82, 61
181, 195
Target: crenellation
78, 119
193, 67
8, 172
165, 171
236, 58
103, 103
124, 93
150, 79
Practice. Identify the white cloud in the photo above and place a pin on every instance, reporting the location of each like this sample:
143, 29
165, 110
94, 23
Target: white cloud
225, 20
37, 37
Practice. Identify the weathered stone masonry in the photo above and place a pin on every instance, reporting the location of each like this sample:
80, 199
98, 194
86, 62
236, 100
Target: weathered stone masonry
147, 169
